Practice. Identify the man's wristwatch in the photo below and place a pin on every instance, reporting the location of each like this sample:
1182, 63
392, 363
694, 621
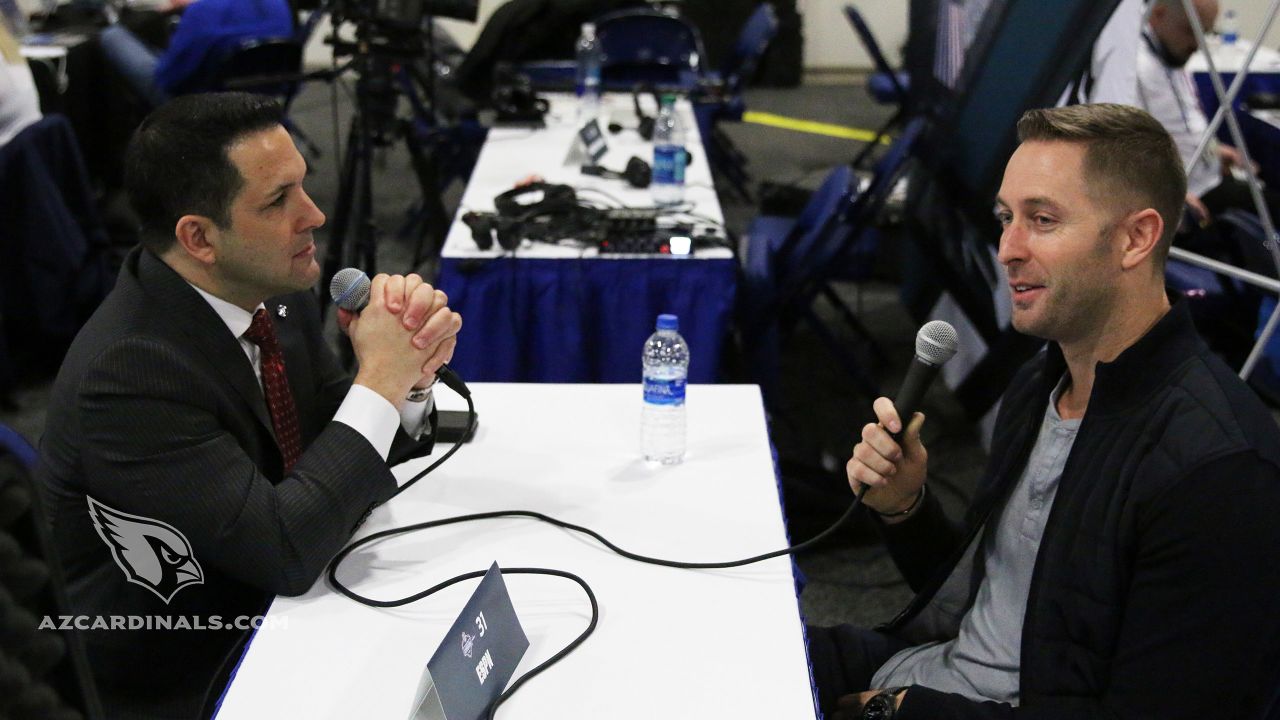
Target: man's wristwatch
419, 394
882, 706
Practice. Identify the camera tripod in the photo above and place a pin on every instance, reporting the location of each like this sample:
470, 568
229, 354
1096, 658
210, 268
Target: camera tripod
375, 124
387, 71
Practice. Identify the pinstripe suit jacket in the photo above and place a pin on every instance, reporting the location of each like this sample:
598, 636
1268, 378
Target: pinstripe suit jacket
156, 412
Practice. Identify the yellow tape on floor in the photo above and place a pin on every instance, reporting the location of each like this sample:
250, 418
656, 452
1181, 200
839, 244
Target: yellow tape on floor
810, 126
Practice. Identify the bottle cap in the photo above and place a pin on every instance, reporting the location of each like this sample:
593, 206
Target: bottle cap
668, 322
668, 99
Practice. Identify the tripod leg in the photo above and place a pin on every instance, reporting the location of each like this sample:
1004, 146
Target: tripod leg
336, 251
424, 166
365, 253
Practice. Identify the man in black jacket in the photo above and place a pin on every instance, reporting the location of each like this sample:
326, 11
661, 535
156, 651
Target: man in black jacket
204, 449
1119, 559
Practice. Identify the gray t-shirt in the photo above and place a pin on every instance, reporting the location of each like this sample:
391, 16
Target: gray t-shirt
982, 662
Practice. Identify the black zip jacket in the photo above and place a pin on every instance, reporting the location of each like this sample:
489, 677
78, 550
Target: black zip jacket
1156, 589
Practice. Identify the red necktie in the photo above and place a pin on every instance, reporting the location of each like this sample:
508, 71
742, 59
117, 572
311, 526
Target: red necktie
284, 414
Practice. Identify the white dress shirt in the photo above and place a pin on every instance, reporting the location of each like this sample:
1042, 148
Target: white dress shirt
19, 102
1169, 94
1112, 75
363, 410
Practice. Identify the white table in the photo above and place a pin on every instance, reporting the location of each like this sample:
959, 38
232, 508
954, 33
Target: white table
670, 643
512, 154
564, 313
1230, 58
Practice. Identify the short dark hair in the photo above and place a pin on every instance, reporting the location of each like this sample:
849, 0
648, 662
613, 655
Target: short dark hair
177, 161
1130, 159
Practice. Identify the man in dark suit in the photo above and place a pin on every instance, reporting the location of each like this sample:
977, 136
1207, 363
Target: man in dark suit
204, 449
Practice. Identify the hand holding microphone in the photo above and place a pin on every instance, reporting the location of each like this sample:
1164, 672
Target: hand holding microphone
401, 329
891, 463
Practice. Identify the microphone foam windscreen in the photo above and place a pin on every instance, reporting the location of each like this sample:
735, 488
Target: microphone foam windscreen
350, 289
936, 342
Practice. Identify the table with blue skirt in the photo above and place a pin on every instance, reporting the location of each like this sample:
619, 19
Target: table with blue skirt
1263, 77
565, 312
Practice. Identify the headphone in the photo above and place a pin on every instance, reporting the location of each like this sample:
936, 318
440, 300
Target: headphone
520, 211
548, 198
514, 98
646, 122
638, 173
485, 227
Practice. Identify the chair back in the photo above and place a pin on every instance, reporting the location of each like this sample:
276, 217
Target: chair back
848, 237
269, 66
53, 242
46, 668
757, 32
648, 46
12, 443
820, 216
884, 71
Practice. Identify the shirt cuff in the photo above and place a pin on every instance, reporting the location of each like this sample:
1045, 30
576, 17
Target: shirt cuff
369, 414
415, 416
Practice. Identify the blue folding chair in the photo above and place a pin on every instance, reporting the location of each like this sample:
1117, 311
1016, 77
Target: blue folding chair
721, 97
886, 85
1229, 312
266, 66
643, 46
788, 265
14, 444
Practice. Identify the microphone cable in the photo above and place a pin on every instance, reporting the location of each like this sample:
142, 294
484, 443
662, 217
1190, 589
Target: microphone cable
451, 379
936, 343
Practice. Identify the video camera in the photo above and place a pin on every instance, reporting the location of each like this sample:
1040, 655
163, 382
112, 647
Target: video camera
395, 27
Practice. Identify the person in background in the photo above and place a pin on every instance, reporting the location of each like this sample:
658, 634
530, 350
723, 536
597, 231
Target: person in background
19, 102
208, 29
1166, 90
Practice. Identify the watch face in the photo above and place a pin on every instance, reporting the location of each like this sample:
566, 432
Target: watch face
879, 707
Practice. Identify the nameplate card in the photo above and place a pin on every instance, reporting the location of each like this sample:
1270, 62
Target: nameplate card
593, 141
475, 661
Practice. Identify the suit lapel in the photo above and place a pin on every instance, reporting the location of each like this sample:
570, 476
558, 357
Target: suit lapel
204, 329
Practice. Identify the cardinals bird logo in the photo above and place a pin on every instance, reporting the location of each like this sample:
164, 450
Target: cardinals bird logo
151, 553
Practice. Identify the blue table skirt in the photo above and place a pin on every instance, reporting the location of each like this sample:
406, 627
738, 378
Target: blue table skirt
1256, 82
544, 320
1264, 145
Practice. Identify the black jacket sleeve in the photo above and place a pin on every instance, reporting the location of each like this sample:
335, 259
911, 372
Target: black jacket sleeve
154, 441
922, 542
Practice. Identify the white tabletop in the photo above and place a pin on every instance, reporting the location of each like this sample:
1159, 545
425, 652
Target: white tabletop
510, 155
1230, 58
670, 643
1270, 117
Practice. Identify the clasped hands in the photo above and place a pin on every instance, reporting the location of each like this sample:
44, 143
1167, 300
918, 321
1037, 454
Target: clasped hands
403, 335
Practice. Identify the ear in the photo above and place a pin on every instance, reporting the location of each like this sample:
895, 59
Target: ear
197, 236
1142, 231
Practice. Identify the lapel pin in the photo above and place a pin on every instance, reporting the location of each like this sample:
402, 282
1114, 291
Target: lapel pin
282, 311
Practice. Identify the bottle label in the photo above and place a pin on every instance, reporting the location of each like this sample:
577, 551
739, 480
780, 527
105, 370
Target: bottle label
664, 392
668, 165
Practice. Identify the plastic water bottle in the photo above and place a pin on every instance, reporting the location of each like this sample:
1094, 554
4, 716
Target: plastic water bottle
666, 367
1230, 28
588, 81
668, 155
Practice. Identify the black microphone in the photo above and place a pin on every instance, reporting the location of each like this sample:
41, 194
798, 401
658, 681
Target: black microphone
350, 291
936, 343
